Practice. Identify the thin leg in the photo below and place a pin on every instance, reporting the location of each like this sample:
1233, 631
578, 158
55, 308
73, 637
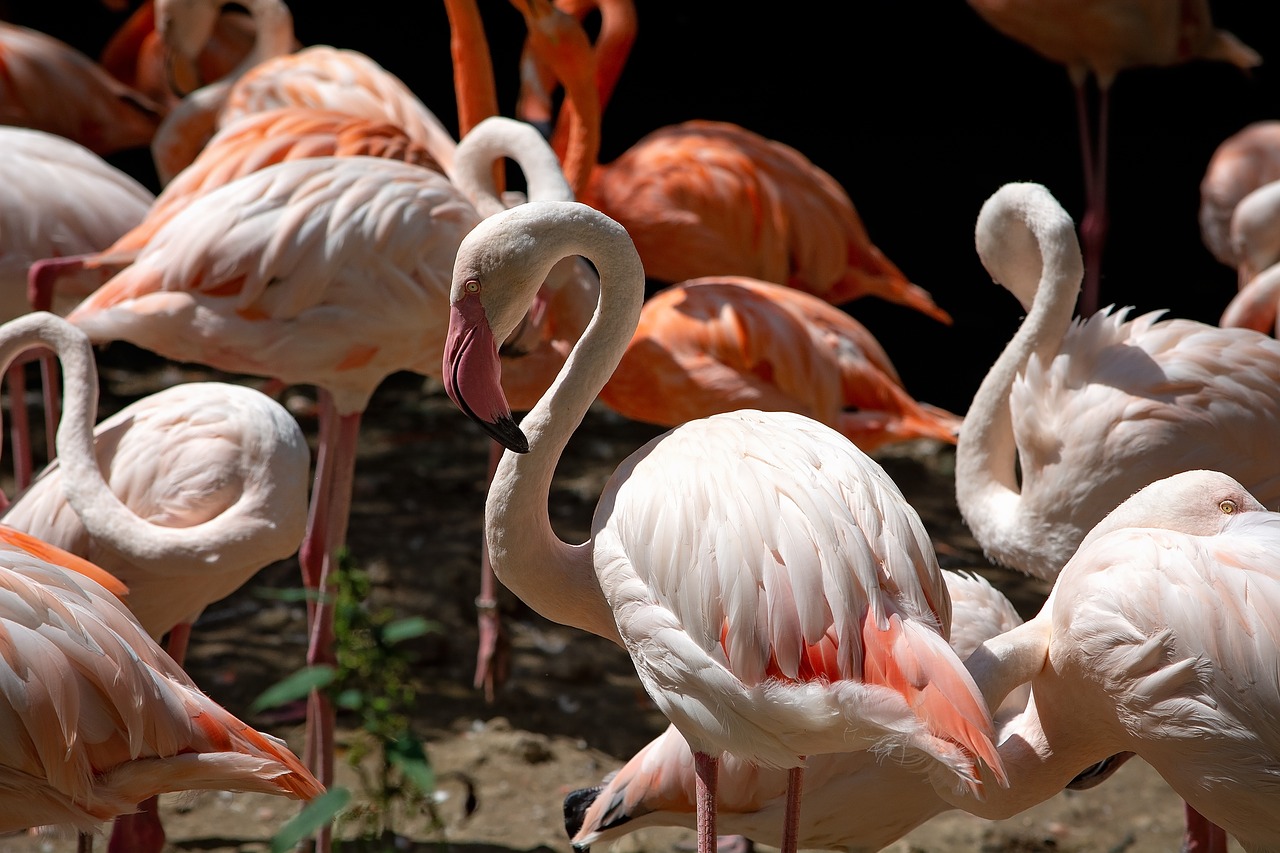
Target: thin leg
140, 832
52, 401
179, 639
791, 828
492, 658
1093, 225
19, 426
1201, 835
84, 843
706, 770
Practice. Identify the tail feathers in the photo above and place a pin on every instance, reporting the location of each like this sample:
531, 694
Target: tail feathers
917, 663
135, 781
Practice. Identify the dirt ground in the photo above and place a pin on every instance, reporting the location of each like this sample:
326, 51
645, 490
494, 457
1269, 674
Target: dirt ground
572, 709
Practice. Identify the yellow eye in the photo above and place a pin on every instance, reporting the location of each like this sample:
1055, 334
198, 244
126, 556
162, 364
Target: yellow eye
472, 286
1228, 507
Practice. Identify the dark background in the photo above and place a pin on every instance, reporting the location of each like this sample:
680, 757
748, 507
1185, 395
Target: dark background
920, 110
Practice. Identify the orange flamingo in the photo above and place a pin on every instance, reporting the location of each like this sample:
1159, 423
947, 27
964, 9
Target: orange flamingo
49, 85
1098, 39
713, 198
98, 717
721, 343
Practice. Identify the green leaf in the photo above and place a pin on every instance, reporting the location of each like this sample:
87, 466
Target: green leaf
316, 814
351, 699
296, 686
404, 629
408, 754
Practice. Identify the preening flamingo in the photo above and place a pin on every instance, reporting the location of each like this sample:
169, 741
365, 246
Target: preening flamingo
1157, 639
1241, 163
56, 198
49, 85
1098, 39
97, 718
714, 198
852, 801
1073, 417
721, 343
767, 577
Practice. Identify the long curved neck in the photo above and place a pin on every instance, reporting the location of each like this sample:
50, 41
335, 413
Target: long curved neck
612, 49
526, 552
199, 548
499, 137
987, 491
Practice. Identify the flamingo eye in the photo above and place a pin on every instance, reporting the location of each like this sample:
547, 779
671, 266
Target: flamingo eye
1228, 507
472, 286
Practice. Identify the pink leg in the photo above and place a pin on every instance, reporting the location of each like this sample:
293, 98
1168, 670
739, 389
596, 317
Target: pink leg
140, 832
491, 658
706, 770
326, 535
1093, 225
1201, 835
179, 639
52, 400
19, 428
791, 827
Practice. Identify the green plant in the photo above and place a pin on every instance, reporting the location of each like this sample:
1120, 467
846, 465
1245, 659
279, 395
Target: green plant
373, 681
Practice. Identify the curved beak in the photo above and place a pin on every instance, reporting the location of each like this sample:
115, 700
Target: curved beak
472, 374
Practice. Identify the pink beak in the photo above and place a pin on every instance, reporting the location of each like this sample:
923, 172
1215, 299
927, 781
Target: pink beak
473, 374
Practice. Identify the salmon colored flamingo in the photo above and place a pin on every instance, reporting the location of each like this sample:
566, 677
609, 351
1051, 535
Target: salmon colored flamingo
770, 582
721, 343
656, 786
1098, 39
97, 716
134, 54
246, 145
205, 483
317, 76
1073, 417
56, 198
1241, 163
327, 271
713, 198
1158, 639
49, 85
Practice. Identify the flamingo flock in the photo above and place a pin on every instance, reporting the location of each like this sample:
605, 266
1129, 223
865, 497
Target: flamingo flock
829, 676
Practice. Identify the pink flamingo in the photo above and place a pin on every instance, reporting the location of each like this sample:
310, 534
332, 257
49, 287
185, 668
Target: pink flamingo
1240, 164
1255, 247
768, 579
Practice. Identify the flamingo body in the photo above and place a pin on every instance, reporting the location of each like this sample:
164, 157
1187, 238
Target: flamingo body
97, 718
1241, 163
720, 343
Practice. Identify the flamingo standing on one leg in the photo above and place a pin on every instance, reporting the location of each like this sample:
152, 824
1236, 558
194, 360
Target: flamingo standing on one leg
768, 579
1098, 39
1073, 417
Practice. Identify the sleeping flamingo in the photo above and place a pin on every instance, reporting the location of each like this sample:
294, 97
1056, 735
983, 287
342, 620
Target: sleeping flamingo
656, 786
713, 198
1241, 163
1158, 639
720, 343
56, 198
1073, 417
1099, 39
97, 717
768, 579
1255, 247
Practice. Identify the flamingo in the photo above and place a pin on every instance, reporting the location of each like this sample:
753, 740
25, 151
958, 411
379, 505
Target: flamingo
243, 146
1158, 638
56, 198
720, 343
1255, 242
714, 198
655, 787
1072, 418
319, 76
1243, 162
97, 717
328, 271
49, 85
768, 579
1098, 39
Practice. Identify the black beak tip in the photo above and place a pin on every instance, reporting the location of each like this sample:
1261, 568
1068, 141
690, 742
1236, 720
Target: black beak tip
508, 434
576, 804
